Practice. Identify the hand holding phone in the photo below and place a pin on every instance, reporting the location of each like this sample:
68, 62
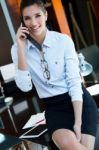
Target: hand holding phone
21, 36
23, 25
25, 35
24, 31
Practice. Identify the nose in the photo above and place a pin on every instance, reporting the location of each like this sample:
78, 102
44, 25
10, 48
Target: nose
33, 22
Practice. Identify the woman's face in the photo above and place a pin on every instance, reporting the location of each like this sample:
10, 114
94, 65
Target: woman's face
35, 20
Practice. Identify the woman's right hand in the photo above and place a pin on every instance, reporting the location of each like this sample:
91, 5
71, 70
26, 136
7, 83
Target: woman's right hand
21, 36
77, 130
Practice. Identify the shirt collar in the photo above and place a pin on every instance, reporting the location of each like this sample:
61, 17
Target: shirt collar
29, 45
47, 41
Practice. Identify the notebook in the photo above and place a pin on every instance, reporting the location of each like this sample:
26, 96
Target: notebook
35, 132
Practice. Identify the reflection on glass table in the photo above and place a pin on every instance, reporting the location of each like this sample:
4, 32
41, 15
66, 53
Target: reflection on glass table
8, 141
5, 105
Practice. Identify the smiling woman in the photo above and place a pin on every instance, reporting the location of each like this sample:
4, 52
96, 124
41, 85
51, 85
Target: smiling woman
70, 111
34, 19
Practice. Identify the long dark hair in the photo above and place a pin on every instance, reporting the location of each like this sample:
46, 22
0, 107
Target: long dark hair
26, 3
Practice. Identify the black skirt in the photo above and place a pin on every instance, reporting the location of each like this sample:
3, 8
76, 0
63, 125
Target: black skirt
59, 113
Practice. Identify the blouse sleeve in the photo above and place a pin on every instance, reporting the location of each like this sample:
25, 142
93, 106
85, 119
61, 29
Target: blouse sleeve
73, 78
22, 77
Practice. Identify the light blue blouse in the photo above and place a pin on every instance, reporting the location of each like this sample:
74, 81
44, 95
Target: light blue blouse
60, 54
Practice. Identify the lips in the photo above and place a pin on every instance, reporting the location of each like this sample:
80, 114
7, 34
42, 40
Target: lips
35, 29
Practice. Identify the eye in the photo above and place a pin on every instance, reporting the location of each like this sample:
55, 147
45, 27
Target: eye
38, 15
26, 18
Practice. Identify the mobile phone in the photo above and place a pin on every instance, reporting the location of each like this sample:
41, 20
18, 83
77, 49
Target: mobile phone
31, 39
23, 24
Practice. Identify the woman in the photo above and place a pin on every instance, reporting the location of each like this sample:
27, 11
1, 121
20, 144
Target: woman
48, 59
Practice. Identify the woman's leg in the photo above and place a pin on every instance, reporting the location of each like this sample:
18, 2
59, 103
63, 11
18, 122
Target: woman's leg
88, 141
66, 140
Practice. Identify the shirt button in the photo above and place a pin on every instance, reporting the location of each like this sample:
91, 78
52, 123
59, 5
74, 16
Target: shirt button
28, 74
46, 82
56, 62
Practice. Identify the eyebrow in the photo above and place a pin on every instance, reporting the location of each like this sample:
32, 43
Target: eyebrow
38, 13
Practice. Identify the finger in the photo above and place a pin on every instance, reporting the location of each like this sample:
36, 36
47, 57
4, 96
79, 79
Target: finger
78, 133
23, 36
21, 24
24, 31
23, 28
30, 31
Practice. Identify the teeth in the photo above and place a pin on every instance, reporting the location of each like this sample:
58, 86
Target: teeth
35, 28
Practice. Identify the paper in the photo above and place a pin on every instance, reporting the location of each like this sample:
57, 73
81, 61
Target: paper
35, 120
8, 72
94, 89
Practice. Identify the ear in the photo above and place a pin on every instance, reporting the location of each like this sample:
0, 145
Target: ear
46, 16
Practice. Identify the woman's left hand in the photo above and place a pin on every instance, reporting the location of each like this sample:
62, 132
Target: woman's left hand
77, 130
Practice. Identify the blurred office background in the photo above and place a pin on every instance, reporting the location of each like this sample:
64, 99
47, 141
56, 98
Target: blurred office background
77, 18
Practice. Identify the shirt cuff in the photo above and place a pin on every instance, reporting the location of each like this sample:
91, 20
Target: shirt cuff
25, 73
77, 97
23, 80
